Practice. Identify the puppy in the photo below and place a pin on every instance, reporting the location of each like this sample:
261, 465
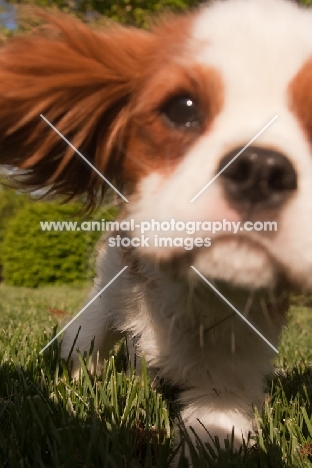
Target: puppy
206, 118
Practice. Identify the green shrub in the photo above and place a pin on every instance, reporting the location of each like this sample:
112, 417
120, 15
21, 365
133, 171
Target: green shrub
33, 257
134, 12
130, 12
10, 203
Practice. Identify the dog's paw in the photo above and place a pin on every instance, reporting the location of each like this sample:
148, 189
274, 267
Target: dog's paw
202, 427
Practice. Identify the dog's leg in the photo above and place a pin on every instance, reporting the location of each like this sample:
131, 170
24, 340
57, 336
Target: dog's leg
92, 325
98, 322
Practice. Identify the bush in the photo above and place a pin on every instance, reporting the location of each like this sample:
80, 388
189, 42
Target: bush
134, 12
32, 257
129, 12
10, 203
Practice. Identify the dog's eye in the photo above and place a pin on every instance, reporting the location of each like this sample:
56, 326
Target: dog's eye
181, 112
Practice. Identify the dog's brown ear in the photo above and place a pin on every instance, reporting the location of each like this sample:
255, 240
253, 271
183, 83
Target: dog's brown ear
300, 94
82, 82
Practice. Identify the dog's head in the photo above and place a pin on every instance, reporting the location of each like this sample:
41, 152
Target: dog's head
161, 113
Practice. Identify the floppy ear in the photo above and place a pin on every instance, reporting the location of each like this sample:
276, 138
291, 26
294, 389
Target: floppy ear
300, 94
82, 81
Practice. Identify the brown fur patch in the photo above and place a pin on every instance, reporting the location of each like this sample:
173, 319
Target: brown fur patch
300, 91
153, 143
82, 82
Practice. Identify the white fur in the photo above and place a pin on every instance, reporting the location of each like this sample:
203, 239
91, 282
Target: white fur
257, 46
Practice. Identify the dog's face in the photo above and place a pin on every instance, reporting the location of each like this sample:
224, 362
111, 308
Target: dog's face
242, 64
162, 113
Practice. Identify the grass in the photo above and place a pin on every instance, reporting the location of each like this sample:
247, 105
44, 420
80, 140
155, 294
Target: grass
117, 420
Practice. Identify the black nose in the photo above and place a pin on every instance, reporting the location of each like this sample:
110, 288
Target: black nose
258, 176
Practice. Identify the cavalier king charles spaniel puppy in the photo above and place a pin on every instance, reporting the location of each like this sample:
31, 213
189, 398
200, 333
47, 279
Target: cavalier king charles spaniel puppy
203, 120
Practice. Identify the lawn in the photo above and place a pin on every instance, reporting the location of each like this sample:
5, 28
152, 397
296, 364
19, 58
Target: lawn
117, 420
